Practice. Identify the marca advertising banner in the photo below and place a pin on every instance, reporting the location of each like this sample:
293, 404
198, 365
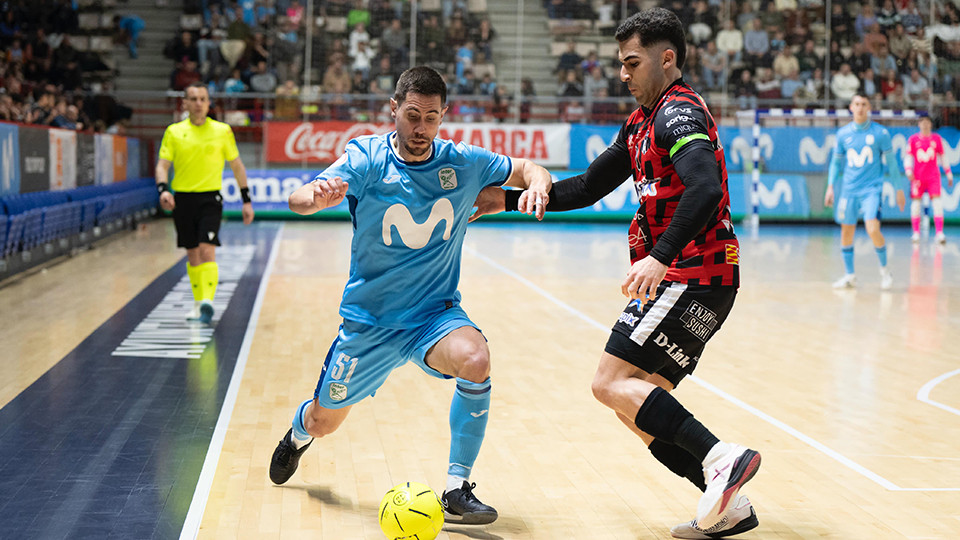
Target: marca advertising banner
103, 144
63, 159
9, 162
324, 142
34, 160
86, 159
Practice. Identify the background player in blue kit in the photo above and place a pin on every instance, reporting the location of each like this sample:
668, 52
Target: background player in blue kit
410, 197
863, 154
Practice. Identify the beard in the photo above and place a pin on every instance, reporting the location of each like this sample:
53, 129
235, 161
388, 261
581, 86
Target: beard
414, 151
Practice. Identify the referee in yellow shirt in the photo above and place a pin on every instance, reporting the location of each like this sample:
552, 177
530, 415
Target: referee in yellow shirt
197, 148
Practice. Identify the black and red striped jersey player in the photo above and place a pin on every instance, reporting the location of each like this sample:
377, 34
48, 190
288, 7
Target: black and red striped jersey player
684, 270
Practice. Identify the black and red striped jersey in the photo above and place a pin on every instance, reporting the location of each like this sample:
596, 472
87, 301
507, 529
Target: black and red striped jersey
654, 138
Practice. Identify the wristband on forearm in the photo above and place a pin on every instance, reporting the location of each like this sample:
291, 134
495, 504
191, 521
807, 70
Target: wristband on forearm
245, 194
511, 199
163, 187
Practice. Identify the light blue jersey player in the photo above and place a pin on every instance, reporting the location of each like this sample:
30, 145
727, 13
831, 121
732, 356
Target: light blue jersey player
410, 197
863, 156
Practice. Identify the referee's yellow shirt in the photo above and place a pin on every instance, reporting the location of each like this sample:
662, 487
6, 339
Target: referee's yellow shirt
198, 153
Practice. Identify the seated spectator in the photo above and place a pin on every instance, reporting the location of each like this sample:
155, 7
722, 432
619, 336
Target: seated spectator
571, 86
808, 59
10, 110
778, 42
602, 110
768, 88
841, 23
756, 45
466, 85
457, 33
263, 80
746, 16
336, 80
239, 29
358, 34
899, 42
784, 64
359, 83
42, 112
67, 117
883, 61
527, 91
589, 62
363, 60
183, 50
702, 23
859, 59
185, 75
464, 58
234, 83
874, 39
815, 85
487, 86
868, 84
295, 13
864, 21
594, 81
730, 42
910, 17
395, 42
483, 35
889, 83
382, 76
714, 64
569, 61
791, 86
772, 18
288, 101
888, 17
844, 84
916, 87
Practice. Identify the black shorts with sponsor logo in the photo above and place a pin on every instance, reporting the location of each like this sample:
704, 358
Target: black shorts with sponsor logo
667, 335
197, 217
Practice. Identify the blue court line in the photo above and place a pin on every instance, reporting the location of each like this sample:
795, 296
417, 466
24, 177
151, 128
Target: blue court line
105, 446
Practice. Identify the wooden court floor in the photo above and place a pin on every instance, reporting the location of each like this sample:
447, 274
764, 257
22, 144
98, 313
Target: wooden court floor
853, 397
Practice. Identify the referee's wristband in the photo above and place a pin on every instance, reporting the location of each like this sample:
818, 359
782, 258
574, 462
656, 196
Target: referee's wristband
162, 187
511, 199
245, 194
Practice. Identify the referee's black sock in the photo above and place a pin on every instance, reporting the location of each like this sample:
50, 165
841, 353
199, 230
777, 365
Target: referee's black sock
679, 461
663, 417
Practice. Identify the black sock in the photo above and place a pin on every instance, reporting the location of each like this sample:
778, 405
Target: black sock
663, 417
679, 461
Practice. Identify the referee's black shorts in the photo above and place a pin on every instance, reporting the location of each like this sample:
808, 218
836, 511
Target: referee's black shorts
197, 217
667, 335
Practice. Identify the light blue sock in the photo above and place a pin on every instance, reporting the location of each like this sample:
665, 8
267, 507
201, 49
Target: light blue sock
300, 434
882, 255
468, 423
847, 258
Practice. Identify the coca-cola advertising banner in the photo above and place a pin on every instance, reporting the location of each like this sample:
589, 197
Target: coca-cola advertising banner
324, 142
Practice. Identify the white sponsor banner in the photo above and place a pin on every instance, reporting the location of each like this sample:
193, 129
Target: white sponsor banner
63, 159
545, 144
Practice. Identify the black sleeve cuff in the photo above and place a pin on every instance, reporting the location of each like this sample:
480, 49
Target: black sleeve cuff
511, 199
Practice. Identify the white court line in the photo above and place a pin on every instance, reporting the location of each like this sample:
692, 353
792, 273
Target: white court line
924, 393
847, 462
191, 525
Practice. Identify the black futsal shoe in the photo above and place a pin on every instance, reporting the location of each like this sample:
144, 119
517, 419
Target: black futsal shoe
462, 506
285, 459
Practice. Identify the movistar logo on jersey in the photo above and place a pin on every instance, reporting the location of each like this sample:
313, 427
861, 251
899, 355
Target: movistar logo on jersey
926, 156
861, 158
416, 235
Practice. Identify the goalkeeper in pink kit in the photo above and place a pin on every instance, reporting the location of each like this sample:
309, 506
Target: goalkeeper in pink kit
924, 151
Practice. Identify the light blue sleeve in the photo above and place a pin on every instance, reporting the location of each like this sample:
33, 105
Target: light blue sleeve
836, 161
891, 165
351, 166
492, 169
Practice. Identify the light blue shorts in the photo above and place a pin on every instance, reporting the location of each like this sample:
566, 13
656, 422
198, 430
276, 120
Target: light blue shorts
852, 206
362, 356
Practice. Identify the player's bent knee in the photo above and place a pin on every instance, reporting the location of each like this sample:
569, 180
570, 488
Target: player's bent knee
321, 422
602, 389
475, 366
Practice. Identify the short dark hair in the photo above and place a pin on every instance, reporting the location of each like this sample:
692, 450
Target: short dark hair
196, 84
860, 95
655, 25
422, 80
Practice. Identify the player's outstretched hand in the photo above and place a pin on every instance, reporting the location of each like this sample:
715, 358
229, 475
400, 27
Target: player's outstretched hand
828, 197
490, 200
167, 201
643, 279
327, 193
533, 202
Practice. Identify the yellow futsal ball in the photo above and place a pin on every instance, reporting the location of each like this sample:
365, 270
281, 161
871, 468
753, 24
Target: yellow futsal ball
411, 510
